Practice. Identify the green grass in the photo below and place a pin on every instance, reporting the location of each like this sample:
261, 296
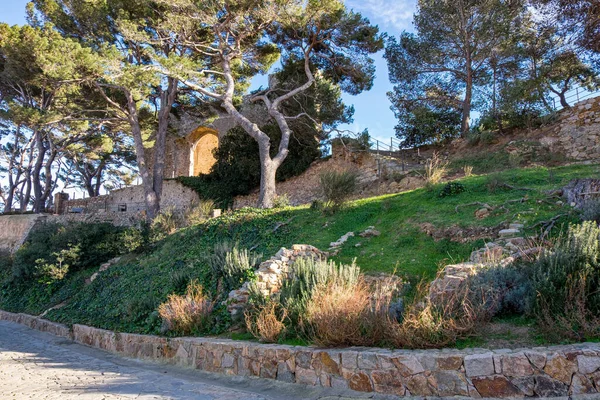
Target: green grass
126, 296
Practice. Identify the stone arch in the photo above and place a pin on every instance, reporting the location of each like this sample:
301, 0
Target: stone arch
203, 142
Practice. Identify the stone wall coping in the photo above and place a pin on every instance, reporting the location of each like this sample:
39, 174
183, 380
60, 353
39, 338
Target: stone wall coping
552, 371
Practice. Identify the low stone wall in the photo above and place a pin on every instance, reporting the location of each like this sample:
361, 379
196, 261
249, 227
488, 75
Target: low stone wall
539, 372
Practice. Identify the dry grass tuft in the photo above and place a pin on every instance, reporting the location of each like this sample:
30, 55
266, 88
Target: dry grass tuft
264, 323
468, 170
435, 169
188, 313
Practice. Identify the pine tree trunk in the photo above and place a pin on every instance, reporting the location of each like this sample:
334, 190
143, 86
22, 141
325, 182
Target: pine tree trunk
268, 171
466, 111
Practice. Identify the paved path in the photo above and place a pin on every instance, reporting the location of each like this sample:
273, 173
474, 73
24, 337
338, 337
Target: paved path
36, 365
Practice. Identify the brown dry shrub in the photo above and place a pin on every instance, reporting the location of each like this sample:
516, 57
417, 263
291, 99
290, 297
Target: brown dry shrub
431, 323
348, 315
264, 323
188, 313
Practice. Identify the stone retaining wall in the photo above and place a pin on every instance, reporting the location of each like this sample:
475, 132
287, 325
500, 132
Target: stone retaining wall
539, 372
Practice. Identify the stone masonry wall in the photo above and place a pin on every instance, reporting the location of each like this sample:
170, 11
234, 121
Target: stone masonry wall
577, 133
15, 228
539, 372
125, 206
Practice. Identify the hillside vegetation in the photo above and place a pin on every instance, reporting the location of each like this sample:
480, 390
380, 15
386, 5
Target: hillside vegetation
127, 295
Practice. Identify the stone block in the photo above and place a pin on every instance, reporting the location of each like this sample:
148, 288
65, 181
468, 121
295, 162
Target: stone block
560, 368
349, 359
420, 385
548, 387
516, 365
537, 359
360, 382
580, 384
388, 381
479, 365
588, 364
450, 383
367, 360
496, 386
306, 376
408, 365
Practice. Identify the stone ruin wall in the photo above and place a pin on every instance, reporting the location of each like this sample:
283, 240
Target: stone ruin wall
15, 228
122, 207
576, 134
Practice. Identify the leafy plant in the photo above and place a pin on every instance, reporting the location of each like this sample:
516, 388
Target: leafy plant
566, 281
281, 201
166, 222
232, 265
48, 243
590, 211
199, 212
337, 187
468, 170
452, 189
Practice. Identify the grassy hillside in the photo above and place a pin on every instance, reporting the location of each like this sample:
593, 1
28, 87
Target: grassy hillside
126, 296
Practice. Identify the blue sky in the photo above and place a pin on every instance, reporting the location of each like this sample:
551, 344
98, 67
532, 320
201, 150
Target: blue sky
372, 108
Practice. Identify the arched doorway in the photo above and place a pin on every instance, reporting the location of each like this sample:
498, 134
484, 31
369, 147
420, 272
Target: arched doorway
204, 141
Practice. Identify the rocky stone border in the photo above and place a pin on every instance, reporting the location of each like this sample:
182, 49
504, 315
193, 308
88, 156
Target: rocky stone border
539, 372
270, 275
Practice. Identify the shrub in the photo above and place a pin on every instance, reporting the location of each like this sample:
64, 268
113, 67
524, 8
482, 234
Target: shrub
281, 201
567, 283
233, 266
58, 270
435, 169
340, 314
337, 187
495, 182
305, 275
265, 321
166, 223
504, 290
199, 212
97, 243
187, 314
452, 189
6, 261
590, 211
429, 324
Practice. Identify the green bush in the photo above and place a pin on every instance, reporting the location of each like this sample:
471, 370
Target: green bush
452, 189
505, 290
337, 187
233, 266
590, 211
51, 246
281, 201
199, 212
566, 282
6, 262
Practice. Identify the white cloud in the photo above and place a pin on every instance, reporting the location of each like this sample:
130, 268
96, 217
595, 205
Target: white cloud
395, 15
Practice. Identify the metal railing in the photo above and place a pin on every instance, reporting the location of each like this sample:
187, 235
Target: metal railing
573, 97
392, 148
